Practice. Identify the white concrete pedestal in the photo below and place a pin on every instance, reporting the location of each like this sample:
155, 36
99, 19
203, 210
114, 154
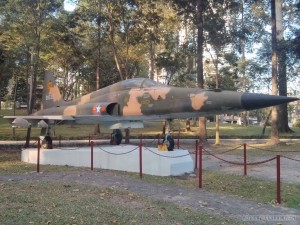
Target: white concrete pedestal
121, 157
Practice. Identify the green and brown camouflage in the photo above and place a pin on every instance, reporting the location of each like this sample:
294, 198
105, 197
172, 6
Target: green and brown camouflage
128, 103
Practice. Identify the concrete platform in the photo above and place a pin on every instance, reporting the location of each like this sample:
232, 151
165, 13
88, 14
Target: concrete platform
121, 157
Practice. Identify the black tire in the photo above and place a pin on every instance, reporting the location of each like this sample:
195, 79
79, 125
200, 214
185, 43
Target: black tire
47, 142
117, 137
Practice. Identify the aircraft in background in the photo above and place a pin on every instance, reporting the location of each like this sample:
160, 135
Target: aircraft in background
128, 103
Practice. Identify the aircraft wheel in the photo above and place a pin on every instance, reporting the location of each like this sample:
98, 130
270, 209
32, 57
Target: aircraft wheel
170, 143
116, 137
47, 143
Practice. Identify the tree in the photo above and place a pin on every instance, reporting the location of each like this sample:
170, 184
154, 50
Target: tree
200, 78
282, 61
28, 29
274, 130
186, 9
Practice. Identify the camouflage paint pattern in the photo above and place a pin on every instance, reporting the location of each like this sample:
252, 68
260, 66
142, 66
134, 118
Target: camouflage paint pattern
140, 99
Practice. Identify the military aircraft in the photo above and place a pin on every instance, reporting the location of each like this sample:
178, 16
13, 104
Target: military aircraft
128, 103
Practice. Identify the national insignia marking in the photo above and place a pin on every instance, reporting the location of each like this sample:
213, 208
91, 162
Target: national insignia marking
50, 85
97, 109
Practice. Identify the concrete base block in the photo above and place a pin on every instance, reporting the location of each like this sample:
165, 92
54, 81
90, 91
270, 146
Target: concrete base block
121, 157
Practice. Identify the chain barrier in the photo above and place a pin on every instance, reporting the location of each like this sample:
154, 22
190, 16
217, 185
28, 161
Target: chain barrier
238, 163
229, 150
269, 150
179, 156
111, 153
149, 143
297, 160
187, 146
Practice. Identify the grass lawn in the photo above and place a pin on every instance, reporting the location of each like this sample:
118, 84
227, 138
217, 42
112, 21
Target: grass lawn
56, 202
259, 190
70, 203
250, 188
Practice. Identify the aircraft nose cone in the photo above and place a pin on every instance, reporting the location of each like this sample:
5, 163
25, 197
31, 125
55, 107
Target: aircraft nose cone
251, 101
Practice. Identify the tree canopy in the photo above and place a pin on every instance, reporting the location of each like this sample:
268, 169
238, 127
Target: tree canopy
104, 41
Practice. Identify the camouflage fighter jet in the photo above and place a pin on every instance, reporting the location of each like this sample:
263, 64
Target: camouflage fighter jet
128, 103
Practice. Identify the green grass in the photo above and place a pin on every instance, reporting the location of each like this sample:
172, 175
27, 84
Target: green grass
249, 188
255, 189
69, 203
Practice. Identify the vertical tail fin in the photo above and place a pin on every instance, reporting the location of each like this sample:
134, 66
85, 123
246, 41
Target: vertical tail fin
51, 94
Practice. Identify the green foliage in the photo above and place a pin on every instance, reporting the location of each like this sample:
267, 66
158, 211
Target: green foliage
124, 39
296, 123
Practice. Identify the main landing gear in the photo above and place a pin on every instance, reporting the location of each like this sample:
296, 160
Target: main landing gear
116, 137
168, 138
46, 140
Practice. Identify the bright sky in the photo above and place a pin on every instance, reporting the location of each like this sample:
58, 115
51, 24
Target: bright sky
69, 6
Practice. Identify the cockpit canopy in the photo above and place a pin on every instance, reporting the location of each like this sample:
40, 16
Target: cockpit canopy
140, 83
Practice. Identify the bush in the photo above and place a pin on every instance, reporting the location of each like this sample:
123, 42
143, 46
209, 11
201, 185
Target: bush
296, 123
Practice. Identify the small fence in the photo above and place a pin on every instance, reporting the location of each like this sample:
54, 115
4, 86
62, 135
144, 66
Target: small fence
199, 154
196, 149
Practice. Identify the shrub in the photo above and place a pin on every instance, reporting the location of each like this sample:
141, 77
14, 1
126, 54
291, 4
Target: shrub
296, 123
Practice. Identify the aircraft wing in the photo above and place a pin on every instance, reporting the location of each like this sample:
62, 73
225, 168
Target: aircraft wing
111, 123
48, 117
22, 121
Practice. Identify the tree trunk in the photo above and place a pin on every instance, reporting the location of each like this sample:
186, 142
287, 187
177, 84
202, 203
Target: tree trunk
97, 129
244, 119
217, 142
266, 123
243, 68
282, 80
152, 60
127, 136
200, 79
113, 44
274, 124
188, 124
31, 81
98, 75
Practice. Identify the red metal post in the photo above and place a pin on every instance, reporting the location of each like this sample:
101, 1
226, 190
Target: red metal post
89, 140
141, 139
38, 156
196, 155
200, 166
141, 159
278, 179
92, 155
245, 160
